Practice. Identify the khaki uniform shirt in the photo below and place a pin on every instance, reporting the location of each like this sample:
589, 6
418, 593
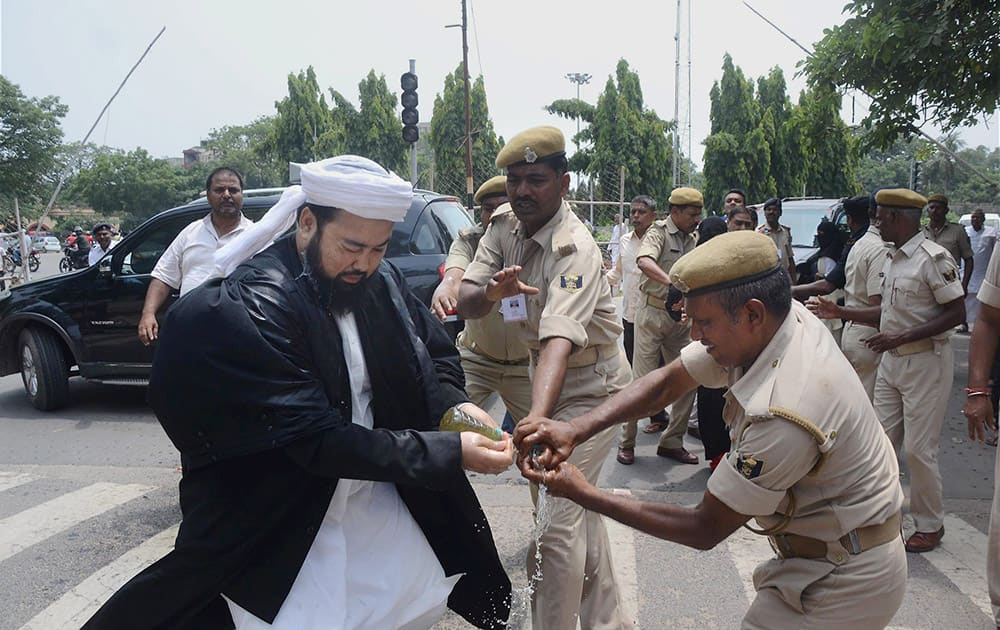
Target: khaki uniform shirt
562, 260
664, 243
774, 467
953, 238
782, 238
864, 269
989, 292
917, 280
487, 335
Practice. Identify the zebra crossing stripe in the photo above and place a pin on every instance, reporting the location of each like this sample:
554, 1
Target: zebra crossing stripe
10, 480
622, 540
75, 607
961, 559
27, 528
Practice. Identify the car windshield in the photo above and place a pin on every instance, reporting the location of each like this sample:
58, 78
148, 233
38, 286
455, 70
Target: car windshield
803, 216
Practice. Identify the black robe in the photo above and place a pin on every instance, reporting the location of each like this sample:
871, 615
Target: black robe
250, 384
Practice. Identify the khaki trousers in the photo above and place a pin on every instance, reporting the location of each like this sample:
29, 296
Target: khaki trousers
911, 395
863, 359
578, 578
656, 336
484, 378
862, 594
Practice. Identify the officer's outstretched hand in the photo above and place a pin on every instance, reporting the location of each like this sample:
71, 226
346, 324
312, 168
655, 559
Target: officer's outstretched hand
482, 455
884, 341
823, 308
565, 480
543, 443
505, 283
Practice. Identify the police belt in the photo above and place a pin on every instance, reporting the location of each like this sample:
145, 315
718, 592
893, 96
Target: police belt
587, 356
915, 347
854, 542
474, 348
656, 302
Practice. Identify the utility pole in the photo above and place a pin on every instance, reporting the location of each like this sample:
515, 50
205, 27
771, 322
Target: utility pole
677, 99
579, 78
470, 202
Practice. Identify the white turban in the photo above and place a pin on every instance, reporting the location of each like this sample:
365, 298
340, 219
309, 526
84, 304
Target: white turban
357, 185
349, 182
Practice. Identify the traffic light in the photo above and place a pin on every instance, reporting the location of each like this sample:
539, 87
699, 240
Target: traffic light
916, 176
408, 100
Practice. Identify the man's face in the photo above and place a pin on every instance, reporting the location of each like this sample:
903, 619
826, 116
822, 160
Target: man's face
772, 214
733, 200
887, 222
346, 250
641, 216
535, 192
686, 218
739, 221
225, 195
937, 211
103, 238
488, 206
978, 218
727, 341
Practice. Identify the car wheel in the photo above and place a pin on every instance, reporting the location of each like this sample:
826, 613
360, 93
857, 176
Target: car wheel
65, 265
43, 369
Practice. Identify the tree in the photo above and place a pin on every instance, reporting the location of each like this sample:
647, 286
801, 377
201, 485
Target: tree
786, 147
251, 150
829, 147
132, 186
625, 133
922, 61
447, 137
30, 139
303, 117
378, 133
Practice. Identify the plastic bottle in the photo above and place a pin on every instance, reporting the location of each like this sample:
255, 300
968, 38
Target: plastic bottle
457, 420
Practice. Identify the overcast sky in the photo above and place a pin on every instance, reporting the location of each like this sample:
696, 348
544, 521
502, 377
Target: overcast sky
223, 62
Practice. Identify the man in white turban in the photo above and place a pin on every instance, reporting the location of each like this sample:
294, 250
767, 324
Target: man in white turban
317, 492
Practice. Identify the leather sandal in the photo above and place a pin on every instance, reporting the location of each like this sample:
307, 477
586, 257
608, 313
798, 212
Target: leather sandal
678, 454
626, 456
921, 542
655, 427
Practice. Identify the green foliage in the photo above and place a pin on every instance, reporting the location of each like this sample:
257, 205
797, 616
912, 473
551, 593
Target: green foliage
30, 139
303, 117
766, 146
447, 136
375, 131
251, 150
624, 133
922, 61
132, 186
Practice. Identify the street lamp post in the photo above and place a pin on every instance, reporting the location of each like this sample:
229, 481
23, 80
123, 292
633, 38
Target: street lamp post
579, 78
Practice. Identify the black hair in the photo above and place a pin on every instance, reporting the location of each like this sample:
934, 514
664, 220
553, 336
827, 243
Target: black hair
738, 191
710, 227
774, 290
773, 201
323, 214
557, 162
857, 209
223, 169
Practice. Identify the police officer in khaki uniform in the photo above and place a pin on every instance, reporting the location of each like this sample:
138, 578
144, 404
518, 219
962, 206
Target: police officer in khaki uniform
979, 408
780, 234
922, 301
542, 266
949, 235
862, 290
493, 357
809, 462
657, 336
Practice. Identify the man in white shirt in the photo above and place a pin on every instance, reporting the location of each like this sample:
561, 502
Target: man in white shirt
102, 243
627, 273
189, 260
982, 238
614, 246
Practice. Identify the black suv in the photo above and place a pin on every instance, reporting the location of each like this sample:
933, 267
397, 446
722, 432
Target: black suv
85, 323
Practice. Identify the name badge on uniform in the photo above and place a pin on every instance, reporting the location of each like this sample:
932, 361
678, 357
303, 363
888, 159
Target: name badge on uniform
514, 308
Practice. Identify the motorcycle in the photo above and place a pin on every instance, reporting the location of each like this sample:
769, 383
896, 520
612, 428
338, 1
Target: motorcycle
72, 260
12, 260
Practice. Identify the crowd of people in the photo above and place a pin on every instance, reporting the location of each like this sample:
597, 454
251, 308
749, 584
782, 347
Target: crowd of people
317, 490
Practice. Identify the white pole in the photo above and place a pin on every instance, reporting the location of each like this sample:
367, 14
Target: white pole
677, 99
20, 242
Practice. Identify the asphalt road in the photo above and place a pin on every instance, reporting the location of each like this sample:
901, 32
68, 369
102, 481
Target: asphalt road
88, 496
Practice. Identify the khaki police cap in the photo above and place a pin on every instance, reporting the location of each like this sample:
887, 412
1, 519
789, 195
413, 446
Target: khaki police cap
725, 261
532, 145
686, 197
900, 198
492, 186
941, 199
